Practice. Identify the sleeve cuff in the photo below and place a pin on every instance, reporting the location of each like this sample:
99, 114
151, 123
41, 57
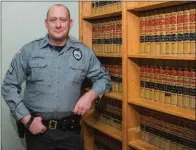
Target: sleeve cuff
21, 111
99, 91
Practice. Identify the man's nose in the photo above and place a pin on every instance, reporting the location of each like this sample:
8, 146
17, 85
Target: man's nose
58, 24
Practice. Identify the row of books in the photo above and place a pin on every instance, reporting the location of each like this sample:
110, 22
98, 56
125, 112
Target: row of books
174, 86
109, 112
167, 132
111, 105
116, 76
105, 142
169, 31
115, 72
107, 35
99, 7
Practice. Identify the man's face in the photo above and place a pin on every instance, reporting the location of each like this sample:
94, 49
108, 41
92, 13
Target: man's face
58, 23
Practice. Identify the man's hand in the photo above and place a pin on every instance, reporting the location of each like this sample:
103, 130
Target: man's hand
85, 102
36, 126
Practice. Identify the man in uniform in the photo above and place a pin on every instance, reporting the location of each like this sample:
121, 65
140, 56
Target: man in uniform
54, 68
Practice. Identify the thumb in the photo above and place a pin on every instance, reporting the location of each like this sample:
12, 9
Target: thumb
44, 128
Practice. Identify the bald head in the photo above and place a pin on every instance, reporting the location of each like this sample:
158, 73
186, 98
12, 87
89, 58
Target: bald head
58, 5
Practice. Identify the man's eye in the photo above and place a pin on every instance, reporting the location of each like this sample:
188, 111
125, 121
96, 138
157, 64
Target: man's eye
53, 20
63, 20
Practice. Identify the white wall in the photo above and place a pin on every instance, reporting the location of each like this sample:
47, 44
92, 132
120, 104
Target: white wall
0, 73
23, 22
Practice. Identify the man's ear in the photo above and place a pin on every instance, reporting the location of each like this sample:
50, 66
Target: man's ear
46, 23
71, 23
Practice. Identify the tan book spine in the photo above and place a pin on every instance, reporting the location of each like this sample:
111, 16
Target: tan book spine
168, 31
114, 50
180, 29
106, 36
157, 33
147, 38
110, 35
120, 36
162, 83
151, 73
174, 80
156, 80
174, 30
113, 35
98, 36
174, 95
152, 32
186, 29
102, 37
117, 35
142, 32
147, 89
142, 74
180, 85
162, 32
167, 85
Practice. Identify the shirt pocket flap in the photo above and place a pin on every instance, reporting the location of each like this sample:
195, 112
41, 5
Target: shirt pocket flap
37, 64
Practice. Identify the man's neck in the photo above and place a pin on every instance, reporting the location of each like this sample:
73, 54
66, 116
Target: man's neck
58, 43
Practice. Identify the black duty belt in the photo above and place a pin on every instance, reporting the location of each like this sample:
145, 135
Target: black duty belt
71, 123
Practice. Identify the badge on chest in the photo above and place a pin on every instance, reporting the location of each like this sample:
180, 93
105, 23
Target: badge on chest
77, 54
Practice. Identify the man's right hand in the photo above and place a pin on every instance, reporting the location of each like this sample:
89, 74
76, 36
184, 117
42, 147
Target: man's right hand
36, 126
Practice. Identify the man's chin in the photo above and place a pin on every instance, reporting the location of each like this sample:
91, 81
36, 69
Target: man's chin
59, 38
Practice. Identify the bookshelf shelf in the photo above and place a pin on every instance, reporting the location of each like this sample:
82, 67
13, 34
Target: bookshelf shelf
109, 130
184, 57
177, 111
153, 5
108, 55
103, 15
141, 145
111, 95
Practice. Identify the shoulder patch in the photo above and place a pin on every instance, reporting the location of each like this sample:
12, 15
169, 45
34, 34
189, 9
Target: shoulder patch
11, 69
77, 54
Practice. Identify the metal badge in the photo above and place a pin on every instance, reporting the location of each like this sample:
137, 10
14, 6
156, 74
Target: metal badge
77, 54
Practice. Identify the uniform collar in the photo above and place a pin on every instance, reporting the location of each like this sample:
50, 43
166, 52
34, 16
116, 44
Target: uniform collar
45, 41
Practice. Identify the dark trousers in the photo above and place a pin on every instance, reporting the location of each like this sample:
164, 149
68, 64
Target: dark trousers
54, 140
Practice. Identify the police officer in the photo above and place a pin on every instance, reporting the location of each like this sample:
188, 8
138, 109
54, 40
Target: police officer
54, 68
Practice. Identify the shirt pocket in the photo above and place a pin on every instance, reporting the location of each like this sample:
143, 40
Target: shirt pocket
77, 71
40, 71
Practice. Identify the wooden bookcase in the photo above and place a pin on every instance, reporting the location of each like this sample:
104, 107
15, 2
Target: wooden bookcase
131, 100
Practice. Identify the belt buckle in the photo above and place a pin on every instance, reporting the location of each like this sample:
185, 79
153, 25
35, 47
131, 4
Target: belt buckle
52, 124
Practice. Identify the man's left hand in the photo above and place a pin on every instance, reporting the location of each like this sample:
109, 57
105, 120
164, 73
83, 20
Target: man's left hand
85, 102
